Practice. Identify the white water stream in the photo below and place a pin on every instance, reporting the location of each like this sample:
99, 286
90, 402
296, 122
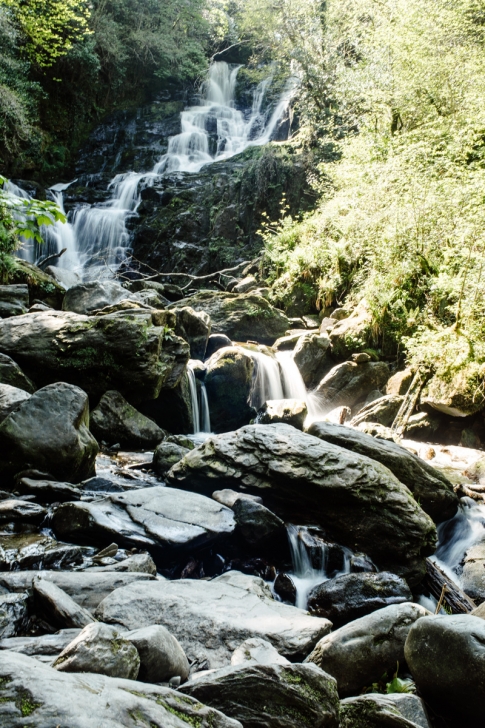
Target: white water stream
200, 405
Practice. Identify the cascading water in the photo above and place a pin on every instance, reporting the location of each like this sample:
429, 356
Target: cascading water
267, 382
200, 409
458, 535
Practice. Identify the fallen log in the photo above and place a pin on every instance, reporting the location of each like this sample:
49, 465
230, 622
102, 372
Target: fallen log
446, 591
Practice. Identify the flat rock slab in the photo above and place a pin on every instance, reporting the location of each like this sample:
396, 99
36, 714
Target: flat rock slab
36, 694
210, 619
46, 644
391, 711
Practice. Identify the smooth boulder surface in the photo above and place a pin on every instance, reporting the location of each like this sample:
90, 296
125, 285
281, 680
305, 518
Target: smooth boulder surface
351, 596
382, 410
195, 328
47, 491
291, 411
11, 374
114, 420
84, 298
446, 657
50, 432
312, 357
256, 651
357, 501
228, 382
59, 608
128, 351
161, 656
349, 383
359, 653
383, 711
21, 510
210, 619
45, 697
14, 300
257, 524
430, 487
216, 342
270, 696
166, 455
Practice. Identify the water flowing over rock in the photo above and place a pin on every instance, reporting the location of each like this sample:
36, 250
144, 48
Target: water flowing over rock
357, 501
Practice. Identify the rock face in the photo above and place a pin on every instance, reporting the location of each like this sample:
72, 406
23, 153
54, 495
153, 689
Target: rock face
389, 711
358, 654
446, 656
270, 696
11, 374
241, 317
102, 649
10, 399
357, 501
228, 382
14, 300
50, 432
194, 327
382, 410
216, 342
172, 410
432, 489
161, 656
349, 383
210, 619
352, 596
85, 298
400, 382
312, 357
43, 696
127, 351
291, 411
114, 420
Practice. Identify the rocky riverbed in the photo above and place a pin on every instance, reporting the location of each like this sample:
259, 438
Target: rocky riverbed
214, 515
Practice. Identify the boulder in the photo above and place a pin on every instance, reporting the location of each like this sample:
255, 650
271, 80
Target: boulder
351, 596
400, 382
127, 351
388, 711
210, 619
473, 576
161, 656
216, 342
446, 657
166, 455
382, 410
43, 288
456, 395
36, 551
45, 697
349, 383
257, 524
59, 608
292, 411
48, 491
285, 588
423, 426
358, 502
195, 328
249, 283
270, 696
13, 614
240, 316
11, 374
312, 357
50, 432
359, 653
21, 510
114, 420
256, 651
84, 298
430, 487
66, 278
172, 410
138, 562
352, 333
10, 399
14, 300
228, 497
228, 382
44, 647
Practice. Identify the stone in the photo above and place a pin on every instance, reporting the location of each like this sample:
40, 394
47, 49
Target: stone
240, 316
142, 563
46, 645
472, 579
429, 486
172, 410
353, 333
288, 343
102, 649
361, 358
446, 657
14, 300
400, 382
257, 524
358, 654
216, 342
256, 651
161, 656
312, 357
35, 692
458, 395
42, 287
66, 278
338, 416
114, 420
59, 608
285, 588
246, 284
84, 298
389, 711
423, 426
47, 491
382, 410
349, 383
128, 351
10, 399
13, 614
229, 382
36, 551
21, 510
11, 374
166, 455
292, 411
358, 502
50, 432
351, 596
229, 497
339, 314
195, 328
210, 619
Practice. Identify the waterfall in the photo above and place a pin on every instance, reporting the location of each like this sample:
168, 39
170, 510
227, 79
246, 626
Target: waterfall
267, 382
205, 419
200, 410
458, 535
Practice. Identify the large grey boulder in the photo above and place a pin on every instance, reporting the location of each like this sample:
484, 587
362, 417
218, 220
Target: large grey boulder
48, 491
312, 357
13, 614
11, 373
59, 608
446, 657
382, 410
229, 382
256, 651
358, 502
430, 487
291, 411
383, 711
241, 317
359, 653
10, 399
211, 618
349, 383
87, 297
257, 524
14, 300
129, 351
270, 696
114, 420
195, 328
161, 656
166, 455
216, 342
37, 695
172, 410
138, 562
50, 432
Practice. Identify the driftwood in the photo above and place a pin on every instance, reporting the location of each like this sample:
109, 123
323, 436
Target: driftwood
410, 402
471, 490
446, 591
51, 257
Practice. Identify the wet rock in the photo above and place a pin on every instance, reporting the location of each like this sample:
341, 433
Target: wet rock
256, 651
195, 328
360, 563
54, 698
270, 696
114, 420
13, 614
229, 497
400, 382
382, 410
312, 357
50, 432
430, 487
166, 455
473, 575
257, 524
142, 563
172, 409
14, 300
10, 399
161, 656
36, 551
102, 649
389, 711
229, 382
351, 596
359, 653
241, 317
210, 619
44, 647
21, 510
59, 608
216, 342
357, 501
285, 588
291, 411
446, 657
84, 298
353, 333
126, 351
66, 278
47, 491
288, 342
349, 383
11, 374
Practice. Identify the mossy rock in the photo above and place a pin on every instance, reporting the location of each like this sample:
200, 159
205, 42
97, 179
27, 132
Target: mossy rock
42, 287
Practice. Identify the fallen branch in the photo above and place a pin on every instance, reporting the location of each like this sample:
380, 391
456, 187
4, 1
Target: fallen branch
446, 591
51, 257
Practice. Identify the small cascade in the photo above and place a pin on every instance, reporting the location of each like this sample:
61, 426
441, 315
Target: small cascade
61, 235
200, 409
267, 383
194, 400
458, 535
205, 419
